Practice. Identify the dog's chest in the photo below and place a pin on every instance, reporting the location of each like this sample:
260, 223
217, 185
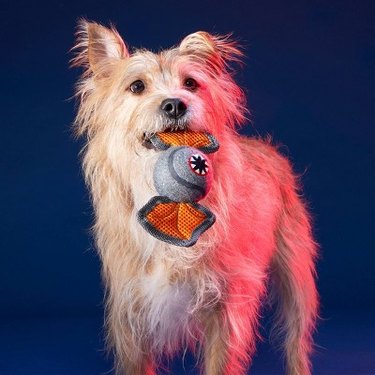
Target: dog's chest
168, 304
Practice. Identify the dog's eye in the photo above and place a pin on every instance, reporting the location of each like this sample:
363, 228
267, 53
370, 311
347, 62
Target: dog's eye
191, 84
137, 87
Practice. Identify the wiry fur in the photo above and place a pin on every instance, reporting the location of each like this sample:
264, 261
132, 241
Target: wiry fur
161, 298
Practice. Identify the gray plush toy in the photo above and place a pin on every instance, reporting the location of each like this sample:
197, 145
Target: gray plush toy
182, 176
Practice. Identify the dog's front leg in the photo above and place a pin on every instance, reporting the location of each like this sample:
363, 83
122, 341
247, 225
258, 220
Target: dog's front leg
141, 368
131, 356
215, 345
134, 364
230, 335
224, 353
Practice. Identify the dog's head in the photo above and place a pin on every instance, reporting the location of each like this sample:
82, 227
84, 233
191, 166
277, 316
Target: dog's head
131, 95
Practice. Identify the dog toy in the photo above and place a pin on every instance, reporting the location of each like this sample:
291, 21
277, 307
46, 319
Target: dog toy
182, 176
204, 142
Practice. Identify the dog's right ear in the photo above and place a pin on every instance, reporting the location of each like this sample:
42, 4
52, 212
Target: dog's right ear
98, 48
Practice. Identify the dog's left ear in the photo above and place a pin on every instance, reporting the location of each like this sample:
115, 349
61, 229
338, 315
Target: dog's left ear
215, 50
98, 48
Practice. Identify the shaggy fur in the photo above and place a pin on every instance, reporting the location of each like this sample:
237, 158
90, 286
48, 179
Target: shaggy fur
161, 298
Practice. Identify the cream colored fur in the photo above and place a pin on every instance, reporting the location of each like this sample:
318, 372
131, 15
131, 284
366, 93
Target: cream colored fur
160, 298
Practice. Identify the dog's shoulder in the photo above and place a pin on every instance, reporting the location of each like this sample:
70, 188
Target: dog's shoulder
260, 146
265, 154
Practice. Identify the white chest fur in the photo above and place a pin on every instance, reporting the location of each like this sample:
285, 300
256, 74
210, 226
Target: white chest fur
168, 309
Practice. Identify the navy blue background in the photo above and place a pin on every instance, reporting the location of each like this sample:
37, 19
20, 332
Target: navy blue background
309, 76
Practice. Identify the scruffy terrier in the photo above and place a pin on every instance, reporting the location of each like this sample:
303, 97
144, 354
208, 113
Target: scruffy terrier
161, 298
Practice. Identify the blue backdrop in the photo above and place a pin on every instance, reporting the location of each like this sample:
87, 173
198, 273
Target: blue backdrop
309, 76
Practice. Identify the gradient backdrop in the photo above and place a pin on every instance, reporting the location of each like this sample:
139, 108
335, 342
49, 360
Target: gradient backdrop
309, 77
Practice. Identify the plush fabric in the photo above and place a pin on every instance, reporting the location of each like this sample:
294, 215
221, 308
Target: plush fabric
182, 176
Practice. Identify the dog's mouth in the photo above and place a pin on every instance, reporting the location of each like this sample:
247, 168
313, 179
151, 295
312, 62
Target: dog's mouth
168, 128
146, 140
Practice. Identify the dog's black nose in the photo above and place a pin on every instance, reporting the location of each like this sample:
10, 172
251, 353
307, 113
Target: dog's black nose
173, 108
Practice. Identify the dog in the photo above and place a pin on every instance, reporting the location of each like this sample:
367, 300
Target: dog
160, 298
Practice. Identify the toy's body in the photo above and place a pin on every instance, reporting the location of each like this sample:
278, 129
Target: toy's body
182, 177
162, 298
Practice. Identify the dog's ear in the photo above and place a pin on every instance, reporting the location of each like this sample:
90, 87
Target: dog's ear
98, 48
216, 50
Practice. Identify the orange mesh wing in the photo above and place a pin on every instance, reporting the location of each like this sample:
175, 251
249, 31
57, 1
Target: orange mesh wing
204, 142
180, 224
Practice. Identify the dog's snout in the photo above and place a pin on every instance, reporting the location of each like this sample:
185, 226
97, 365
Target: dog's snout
173, 108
